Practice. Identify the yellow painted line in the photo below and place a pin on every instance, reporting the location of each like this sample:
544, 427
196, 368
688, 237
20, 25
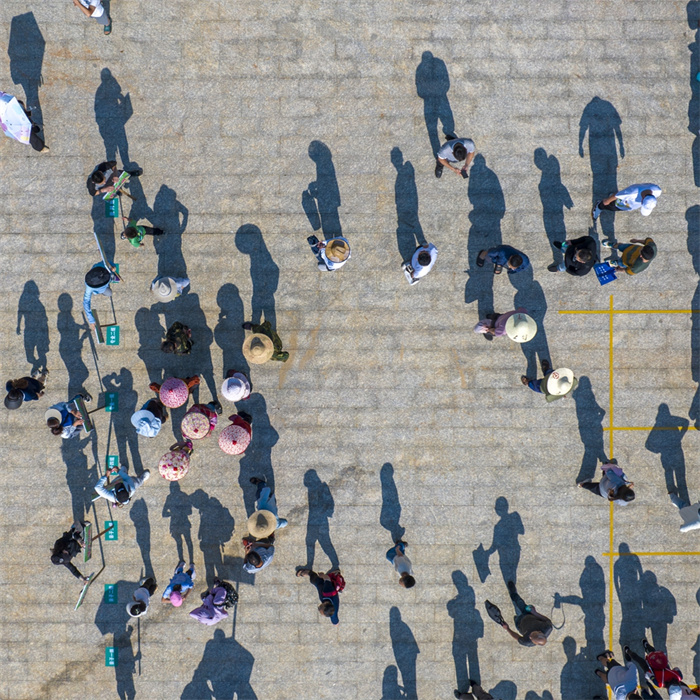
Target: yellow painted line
650, 554
632, 311
610, 576
610, 415
653, 427
612, 434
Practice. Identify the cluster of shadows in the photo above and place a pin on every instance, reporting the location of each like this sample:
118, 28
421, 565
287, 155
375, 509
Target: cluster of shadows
692, 216
694, 104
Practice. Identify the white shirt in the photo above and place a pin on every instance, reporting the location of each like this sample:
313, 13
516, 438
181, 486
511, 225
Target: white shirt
623, 680
418, 269
97, 4
402, 564
140, 596
447, 151
630, 198
331, 264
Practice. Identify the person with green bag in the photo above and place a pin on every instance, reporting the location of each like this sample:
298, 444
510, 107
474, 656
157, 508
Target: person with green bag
135, 233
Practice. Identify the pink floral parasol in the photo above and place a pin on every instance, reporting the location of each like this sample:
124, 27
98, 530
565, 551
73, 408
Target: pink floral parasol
234, 439
195, 425
174, 465
174, 392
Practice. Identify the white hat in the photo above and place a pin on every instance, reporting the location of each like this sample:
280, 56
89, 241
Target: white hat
648, 203
236, 387
560, 382
146, 423
521, 328
164, 288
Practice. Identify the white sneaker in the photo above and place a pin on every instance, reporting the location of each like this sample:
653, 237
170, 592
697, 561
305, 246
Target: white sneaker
606, 243
282, 523
146, 474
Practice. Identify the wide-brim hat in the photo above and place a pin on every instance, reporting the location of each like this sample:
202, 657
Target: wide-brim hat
164, 289
53, 413
648, 203
337, 250
174, 465
234, 439
262, 524
13, 402
560, 381
146, 423
236, 387
258, 348
173, 392
521, 328
195, 425
97, 277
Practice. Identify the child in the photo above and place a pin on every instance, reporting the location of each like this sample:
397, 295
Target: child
135, 234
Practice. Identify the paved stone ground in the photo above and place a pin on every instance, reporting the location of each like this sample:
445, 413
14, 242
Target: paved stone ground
391, 414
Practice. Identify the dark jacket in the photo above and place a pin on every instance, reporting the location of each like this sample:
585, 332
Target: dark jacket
574, 267
102, 168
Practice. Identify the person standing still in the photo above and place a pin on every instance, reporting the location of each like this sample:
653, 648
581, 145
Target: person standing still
455, 151
142, 597
95, 9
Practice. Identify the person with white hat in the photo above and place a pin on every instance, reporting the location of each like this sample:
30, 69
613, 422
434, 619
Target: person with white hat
642, 197
150, 418
141, 597
121, 490
236, 386
262, 344
64, 418
517, 325
180, 584
554, 385
623, 680
259, 548
167, 288
333, 253
613, 485
635, 258
421, 263
97, 281
580, 255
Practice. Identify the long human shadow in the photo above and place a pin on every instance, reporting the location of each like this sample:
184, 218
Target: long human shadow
602, 122
488, 209
229, 334
112, 111
693, 9
692, 216
321, 507
264, 273
627, 575
406, 651
216, 526
659, 608
390, 515
26, 52
151, 333
257, 460
172, 216
80, 477
590, 428
36, 326
178, 508
103, 226
665, 439
70, 345
554, 197
573, 676
696, 649
139, 516
505, 542
322, 199
432, 86
468, 629
223, 672
592, 605
391, 690
530, 295
409, 233
126, 436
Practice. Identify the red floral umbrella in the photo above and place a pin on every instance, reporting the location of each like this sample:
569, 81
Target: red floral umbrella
174, 465
195, 425
174, 392
235, 438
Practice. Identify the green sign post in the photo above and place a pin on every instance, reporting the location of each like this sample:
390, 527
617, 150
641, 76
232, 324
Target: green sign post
111, 656
111, 401
110, 592
112, 534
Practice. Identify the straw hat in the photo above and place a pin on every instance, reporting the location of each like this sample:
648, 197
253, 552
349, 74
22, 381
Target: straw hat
560, 382
337, 250
258, 348
195, 425
53, 413
521, 328
236, 388
262, 523
164, 289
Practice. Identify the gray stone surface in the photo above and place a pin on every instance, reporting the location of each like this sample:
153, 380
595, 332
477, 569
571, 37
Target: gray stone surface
227, 98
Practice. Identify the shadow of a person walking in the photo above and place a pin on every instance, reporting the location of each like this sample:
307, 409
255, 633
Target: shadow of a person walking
390, 515
409, 234
692, 216
139, 516
264, 274
468, 630
36, 326
172, 216
693, 9
432, 86
391, 690
572, 674
229, 334
321, 507
216, 526
126, 436
322, 199
505, 540
70, 345
590, 428
405, 650
659, 606
178, 508
151, 333
112, 111
627, 575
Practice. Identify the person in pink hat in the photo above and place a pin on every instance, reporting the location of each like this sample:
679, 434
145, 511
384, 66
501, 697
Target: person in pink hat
190, 382
180, 584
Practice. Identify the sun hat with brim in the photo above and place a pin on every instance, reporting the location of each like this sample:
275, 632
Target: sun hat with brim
258, 348
174, 392
165, 289
236, 387
234, 439
13, 402
174, 465
648, 203
146, 423
97, 277
53, 413
337, 250
195, 425
262, 523
521, 328
560, 382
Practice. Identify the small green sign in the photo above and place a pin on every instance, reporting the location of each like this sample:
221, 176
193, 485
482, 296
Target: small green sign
111, 656
110, 592
112, 335
112, 534
111, 401
117, 266
112, 461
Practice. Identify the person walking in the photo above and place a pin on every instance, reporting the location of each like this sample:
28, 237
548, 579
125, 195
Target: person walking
455, 150
643, 197
212, 609
69, 545
236, 386
64, 418
613, 485
504, 256
580, 255
141, 597
658, 672
105, 176
25, 389
97, 281
150, 418
332, 253
120, 491
520, 329
167, 288
263, 344
259, 548
421, 263
556, 384
95, 9
180, 393
180, 584
475, 692
534, 628
329, 587
178, 340
635, 258
623, 680
135, 233
200, 420
401, 563
35, 141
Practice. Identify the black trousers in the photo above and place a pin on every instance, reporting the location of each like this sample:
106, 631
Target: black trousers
35, 141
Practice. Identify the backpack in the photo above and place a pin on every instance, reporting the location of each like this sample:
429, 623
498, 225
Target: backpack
338, 581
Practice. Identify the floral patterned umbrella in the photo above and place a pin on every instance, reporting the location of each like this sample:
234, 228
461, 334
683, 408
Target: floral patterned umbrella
174, 392
234, 438
174, 465
195, 425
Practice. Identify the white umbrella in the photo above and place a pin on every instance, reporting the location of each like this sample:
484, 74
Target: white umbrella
14, 122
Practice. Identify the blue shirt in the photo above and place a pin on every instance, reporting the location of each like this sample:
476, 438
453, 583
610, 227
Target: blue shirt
29, 393
500, 255
185, 581
89, 291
